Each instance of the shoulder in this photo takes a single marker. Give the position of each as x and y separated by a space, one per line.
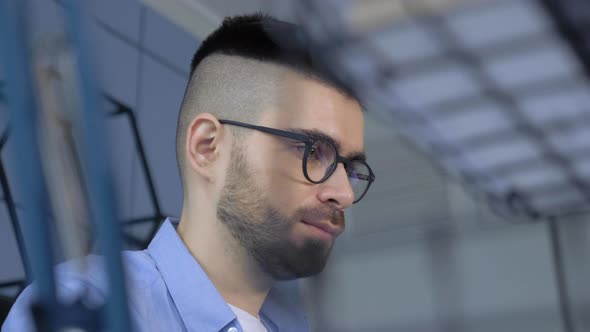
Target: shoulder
140 271
71 282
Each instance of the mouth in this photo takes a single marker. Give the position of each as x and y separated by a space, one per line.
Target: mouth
323 231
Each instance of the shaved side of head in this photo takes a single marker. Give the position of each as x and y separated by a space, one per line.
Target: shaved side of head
229 87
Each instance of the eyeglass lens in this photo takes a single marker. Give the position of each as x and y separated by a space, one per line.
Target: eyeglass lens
322 161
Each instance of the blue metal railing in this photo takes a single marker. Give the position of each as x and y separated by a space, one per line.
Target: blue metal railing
23 109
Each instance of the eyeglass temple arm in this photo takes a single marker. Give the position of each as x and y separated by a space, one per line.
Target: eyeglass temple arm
272 131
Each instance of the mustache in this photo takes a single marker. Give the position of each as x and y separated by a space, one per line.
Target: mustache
335 216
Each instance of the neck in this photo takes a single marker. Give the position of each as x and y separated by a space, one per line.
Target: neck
234 273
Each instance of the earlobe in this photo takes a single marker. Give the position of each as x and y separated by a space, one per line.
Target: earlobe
203 139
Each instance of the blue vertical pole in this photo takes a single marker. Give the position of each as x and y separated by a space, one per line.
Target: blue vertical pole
21 102
98 178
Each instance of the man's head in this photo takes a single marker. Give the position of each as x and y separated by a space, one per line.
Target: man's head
253 181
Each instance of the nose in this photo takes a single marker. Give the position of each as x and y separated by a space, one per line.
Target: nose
337 191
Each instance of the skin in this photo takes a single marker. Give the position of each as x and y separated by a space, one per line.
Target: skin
256 174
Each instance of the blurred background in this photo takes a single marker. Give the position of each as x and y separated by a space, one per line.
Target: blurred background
423 251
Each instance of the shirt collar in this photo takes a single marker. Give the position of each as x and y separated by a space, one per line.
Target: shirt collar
199 303
280 311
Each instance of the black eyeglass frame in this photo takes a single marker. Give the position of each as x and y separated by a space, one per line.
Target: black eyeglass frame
309 141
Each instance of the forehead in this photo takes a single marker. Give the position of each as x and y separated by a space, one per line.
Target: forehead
306 103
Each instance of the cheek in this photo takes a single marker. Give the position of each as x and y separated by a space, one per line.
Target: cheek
278 174
284 181
288 190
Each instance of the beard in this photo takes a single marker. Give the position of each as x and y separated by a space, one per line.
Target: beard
262 232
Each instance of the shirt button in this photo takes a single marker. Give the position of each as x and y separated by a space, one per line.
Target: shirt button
232 329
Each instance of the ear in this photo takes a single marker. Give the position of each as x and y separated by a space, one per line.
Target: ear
203 144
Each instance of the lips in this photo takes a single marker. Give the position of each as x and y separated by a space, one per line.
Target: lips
331 229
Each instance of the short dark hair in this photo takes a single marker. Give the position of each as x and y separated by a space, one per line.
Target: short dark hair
265 38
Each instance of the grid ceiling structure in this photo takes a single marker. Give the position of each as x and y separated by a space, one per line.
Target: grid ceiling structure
496 92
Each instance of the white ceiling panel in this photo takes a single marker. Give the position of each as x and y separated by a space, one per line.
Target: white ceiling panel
496 22
548 62
570 103
451 81
408 42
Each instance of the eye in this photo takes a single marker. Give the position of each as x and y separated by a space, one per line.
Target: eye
313 152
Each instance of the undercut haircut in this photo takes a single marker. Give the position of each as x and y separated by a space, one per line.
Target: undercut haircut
234 73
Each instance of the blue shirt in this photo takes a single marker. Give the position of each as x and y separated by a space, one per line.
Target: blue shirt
167 290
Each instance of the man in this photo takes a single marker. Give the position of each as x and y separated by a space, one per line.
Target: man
270 153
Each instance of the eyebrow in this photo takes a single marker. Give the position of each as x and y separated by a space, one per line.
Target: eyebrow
318 134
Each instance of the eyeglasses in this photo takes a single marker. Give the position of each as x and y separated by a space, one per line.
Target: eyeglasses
320 159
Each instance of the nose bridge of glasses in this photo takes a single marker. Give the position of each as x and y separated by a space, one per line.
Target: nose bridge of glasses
345 162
